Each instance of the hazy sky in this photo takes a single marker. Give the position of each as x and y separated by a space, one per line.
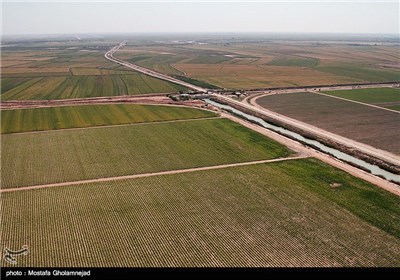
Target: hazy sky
104 17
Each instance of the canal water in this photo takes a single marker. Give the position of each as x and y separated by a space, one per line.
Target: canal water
376 170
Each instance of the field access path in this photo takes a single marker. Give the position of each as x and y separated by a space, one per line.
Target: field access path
306 151
148 99
317 89
134 176
301 150
112 125
358 102
367 149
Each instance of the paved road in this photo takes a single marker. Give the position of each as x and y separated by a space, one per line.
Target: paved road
109 56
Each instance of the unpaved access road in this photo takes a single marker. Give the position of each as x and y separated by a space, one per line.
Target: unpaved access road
366 149
321 88
358 102
149 174
318 89
301 150
305 151
111 125
159 99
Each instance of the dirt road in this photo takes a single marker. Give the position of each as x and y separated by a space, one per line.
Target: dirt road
366 149
148 174
113 125
303 150
358 102
159 99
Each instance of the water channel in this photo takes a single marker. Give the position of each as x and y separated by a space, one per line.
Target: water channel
376 170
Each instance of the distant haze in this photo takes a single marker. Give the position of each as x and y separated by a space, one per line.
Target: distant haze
127 17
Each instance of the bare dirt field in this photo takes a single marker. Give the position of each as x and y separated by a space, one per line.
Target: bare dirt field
372 126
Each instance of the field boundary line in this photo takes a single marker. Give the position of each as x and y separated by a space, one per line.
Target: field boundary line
108 126
358 102
124 177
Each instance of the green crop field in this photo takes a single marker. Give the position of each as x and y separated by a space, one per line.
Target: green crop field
80 71
23 120
396 107
83 86
195 82
301 62
59 156
384 97
361 72
27 60
162 59
276 214
59 73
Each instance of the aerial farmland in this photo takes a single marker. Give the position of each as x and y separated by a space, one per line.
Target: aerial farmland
200 150
203 179
261 65
69 73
